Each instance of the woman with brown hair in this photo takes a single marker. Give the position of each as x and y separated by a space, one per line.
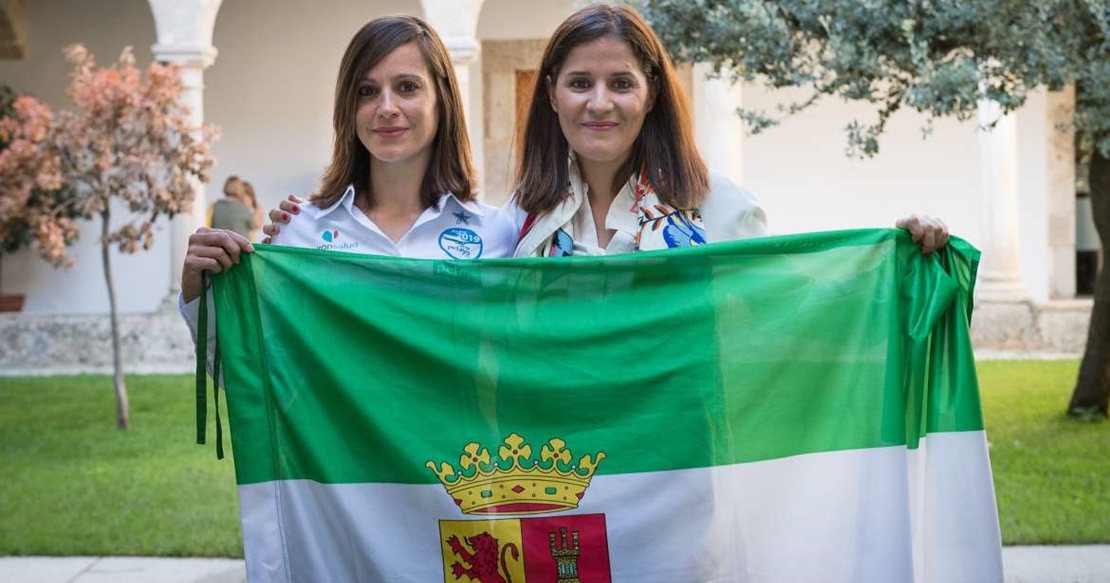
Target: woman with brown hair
609 163
400 181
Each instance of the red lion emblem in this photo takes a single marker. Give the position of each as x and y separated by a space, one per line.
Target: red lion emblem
482 563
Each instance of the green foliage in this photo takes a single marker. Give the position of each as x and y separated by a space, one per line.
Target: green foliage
73 484
938 57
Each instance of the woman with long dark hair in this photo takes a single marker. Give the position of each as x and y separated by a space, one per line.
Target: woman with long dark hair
400 181
609 162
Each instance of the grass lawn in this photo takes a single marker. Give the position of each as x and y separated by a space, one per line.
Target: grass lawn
73 485
1051 474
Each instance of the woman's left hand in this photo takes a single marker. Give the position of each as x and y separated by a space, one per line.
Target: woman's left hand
931 233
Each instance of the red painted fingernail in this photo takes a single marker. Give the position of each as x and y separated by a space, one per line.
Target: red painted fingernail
277 229
296 208
266 240
285 216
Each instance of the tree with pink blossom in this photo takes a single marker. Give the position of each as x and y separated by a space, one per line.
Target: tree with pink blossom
36 206
127 147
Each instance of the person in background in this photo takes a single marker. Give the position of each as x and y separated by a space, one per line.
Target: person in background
233 212
252 201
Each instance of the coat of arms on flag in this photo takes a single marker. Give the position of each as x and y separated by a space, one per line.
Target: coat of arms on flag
563 549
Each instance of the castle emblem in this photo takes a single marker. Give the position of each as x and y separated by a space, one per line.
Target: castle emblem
566 556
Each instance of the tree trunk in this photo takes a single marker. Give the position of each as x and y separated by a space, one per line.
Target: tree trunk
1092 389
122 412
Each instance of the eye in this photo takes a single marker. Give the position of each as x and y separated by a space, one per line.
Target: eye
408 87
367 91
579 83
623 84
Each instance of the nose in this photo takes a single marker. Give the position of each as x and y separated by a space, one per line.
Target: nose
601 100
388 104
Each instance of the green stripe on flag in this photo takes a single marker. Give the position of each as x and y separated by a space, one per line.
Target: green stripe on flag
343 368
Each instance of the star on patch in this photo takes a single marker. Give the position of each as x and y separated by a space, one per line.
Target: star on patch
461 218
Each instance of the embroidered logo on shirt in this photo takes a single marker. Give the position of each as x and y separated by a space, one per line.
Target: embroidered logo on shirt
331 241
459 243
461 218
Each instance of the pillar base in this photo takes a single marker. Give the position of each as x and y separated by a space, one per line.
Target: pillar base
1001 288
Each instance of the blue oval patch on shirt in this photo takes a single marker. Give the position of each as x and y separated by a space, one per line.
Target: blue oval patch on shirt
459 243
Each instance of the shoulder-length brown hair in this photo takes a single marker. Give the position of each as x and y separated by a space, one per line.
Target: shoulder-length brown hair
665 148
451 168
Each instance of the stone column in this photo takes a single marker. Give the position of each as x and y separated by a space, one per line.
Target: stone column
1000 272
13 30
464 53
184 33
718 129
1060 138
456 21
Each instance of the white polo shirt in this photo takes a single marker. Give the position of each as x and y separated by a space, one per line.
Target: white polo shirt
451 229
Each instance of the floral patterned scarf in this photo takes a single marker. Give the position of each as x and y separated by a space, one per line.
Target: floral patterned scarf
661 226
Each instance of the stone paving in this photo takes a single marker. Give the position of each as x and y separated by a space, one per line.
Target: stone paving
1059 564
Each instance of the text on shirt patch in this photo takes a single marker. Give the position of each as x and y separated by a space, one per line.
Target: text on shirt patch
331 241
459 243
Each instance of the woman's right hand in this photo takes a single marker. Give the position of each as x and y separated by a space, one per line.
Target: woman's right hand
212 250
280 216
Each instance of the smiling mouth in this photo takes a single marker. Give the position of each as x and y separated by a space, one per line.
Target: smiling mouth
600 126
390 132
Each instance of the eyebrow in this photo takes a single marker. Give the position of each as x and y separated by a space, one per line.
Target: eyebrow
401 77
589 74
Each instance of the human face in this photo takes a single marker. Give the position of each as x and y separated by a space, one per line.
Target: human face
397 115
601 96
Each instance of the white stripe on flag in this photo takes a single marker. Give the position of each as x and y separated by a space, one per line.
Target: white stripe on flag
882 515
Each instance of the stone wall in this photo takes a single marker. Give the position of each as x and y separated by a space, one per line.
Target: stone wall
1058 327
34 344
160 342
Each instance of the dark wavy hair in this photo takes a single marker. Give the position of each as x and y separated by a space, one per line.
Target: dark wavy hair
451 168
665 147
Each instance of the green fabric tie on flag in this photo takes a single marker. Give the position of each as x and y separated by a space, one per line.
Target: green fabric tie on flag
688 415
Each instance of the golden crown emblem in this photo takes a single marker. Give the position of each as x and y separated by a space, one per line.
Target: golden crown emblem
516 483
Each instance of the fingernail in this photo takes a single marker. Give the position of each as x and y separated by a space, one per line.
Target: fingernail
296 209
285 216
277 229
266 240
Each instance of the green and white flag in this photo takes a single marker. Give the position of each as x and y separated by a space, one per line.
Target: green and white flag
800 408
